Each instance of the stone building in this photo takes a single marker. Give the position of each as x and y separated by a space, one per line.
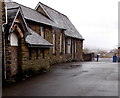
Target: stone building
1 22
37 38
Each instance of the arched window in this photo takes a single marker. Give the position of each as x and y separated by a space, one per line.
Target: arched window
13 39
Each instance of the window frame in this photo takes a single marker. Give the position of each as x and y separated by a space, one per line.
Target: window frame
75 46
61 40
42 31
54 42
13 39
69 46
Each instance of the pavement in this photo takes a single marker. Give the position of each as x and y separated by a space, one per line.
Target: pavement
70 79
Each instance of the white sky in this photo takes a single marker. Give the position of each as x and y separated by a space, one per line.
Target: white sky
96 20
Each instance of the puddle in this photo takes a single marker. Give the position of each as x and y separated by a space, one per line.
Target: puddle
80 73
71 66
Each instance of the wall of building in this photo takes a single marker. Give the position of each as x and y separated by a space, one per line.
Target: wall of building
22 60
1 21
60 57
88 56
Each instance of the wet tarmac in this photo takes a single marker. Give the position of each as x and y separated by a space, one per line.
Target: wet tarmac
70 79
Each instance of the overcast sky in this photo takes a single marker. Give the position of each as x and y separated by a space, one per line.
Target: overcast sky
96 20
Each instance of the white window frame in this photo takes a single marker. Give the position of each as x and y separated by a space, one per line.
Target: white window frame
53 33
64 45
13 39
42 31
69 46
60 42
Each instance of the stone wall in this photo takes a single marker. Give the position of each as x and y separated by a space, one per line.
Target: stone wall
37 61
60 57
24 64
88 56
32 60
1 21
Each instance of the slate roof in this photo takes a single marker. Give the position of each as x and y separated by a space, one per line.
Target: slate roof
11 13
63 21
59 20
35 39
11 16
31 14
31 37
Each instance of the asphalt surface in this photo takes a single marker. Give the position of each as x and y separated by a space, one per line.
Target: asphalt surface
71 79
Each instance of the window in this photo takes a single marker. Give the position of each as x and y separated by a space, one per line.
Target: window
75 47
33 54
64 46
43 53
30 54
60 42
69 41
69 45
53 42
42 32
13 39
36 53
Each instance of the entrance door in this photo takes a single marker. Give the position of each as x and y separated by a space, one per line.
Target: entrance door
14 53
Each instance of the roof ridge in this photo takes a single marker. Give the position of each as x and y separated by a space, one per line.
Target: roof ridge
19 10
52 9
23 6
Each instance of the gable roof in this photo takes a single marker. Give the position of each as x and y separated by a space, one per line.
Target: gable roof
12 14
35 39
33 15
61 20
54 18
31 37
42 11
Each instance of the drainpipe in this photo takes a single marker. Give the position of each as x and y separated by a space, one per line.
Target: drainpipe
3 45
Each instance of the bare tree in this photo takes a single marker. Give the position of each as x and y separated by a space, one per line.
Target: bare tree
86 50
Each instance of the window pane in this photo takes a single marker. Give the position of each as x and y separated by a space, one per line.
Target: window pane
42 31
60 42
69 45
13 39
75 47
53 42
69 41
69 48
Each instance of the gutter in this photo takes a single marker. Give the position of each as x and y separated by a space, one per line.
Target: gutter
40 46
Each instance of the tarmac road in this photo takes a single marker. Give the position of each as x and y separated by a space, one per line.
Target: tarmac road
70 79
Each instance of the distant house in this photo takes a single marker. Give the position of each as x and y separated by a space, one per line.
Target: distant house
88 56
37 38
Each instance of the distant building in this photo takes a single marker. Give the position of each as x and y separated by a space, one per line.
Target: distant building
88 56
37 38
119 54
